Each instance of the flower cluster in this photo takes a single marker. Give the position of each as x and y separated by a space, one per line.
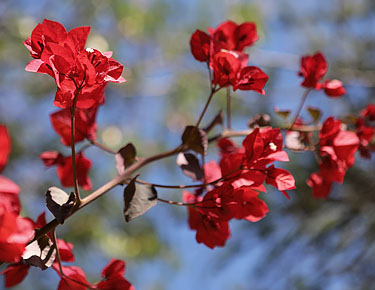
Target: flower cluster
337 148
222 50
313 69
80 74
242 172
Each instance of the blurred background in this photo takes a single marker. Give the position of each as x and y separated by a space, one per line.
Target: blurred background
302 243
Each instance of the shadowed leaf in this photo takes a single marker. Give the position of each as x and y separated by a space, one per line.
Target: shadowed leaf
125 157
138 198
195 139
190 166
40 253
59 203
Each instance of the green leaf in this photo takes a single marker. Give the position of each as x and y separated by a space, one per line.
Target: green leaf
138 198
195 139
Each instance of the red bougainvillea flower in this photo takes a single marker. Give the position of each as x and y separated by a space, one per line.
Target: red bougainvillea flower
15 273
227 36
8 189
246 205
247 166
77 279
65 168
251 78
313 68
210 231
337 148
200 44
321 187
15 233
85 125
230 69
232 36
222 49
9 195
113 277
365 129
333 88
226 67
79 73
369 112
5 145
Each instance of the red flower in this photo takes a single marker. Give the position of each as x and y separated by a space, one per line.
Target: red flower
231 36
210 231
281 179
15 274
51 158
65 249
321 187
85 126
369 112
113 277
79 72
226 67
65 168
251 78
200 44
366 131
9 195
15 233
336 150
227 36
77 279
333 88
245 204
5 146
313 68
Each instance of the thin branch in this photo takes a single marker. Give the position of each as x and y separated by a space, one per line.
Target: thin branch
303 99
120 179
103 147
213 91
175 202
229 109
72 131
54 239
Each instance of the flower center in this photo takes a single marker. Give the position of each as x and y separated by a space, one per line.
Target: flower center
273 147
